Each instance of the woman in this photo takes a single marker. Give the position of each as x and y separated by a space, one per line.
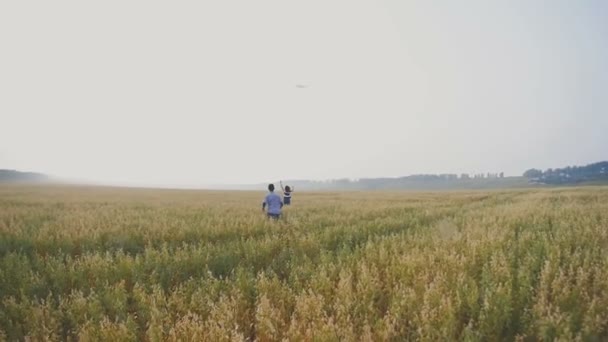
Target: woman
286 193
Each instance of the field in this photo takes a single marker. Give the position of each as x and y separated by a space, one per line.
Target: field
80 263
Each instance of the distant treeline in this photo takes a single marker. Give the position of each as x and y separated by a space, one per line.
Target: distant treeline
18 176
415 182
597 172
570 175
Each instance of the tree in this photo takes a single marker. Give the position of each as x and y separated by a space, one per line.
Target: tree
533 173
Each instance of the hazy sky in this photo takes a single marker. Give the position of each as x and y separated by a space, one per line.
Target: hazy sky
202 92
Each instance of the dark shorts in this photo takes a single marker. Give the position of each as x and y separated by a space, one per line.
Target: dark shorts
274 216
287 200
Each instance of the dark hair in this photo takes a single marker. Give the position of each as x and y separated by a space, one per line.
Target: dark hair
271 187
287 188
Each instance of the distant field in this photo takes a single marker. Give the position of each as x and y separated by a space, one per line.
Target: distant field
81 263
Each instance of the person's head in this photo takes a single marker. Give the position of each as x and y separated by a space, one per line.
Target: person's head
287 188
271 187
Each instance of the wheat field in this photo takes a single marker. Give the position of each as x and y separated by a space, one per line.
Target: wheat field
93 263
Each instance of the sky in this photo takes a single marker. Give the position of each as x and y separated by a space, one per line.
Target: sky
240 91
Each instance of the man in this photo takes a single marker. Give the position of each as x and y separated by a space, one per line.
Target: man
274 203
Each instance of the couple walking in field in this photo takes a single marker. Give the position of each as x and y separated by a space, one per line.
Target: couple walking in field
274 202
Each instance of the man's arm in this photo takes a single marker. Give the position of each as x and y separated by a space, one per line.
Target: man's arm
264 205
282 188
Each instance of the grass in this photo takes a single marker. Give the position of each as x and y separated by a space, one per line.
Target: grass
84 263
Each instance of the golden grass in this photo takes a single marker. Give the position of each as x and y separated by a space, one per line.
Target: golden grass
84 263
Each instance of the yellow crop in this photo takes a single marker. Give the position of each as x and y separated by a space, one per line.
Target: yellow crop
88 264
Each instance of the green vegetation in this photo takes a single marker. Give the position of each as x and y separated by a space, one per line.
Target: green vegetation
22 177
84 264
596 172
